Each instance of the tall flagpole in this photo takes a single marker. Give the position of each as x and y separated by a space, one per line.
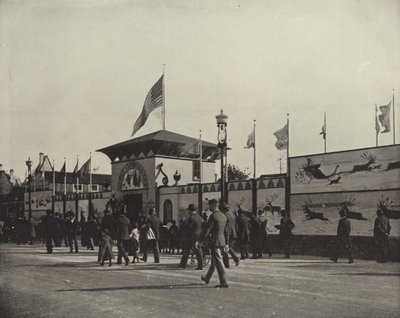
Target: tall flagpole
54 177
90 173
77 174
65 176
201 159
376 125
254 151
325 132
287 179
163 91
394 123
287 149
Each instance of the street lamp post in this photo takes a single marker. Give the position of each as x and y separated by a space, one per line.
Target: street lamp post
222 122
29 165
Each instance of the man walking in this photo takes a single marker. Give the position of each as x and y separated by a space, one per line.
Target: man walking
343 237
381 235
48 230
123 236
153 222
231 225
285 232
71 226
195 223
243 226
216 228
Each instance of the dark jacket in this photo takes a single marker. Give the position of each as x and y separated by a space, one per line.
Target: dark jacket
123 228
382 226
344 229
108 226
216 227
155 225
71 227
286 226
255 229
195 225
231 224
243 225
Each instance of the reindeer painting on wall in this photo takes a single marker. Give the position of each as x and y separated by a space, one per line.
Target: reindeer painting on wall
272 208
367 166
385 205
311 215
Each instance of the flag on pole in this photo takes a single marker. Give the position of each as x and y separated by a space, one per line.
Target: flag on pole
76 168
154 99
281 138
323 131
251 139
377 126
384 117
190 149
62 170
85 169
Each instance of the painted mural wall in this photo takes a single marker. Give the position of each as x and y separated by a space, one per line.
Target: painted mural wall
357 179
357 170
270 198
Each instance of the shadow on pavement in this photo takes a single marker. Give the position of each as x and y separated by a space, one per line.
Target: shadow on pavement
90 264
368 274
180 286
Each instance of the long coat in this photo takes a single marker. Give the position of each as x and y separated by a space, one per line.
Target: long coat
343 230
123 228
155 225
286 227
231 224
217 229
195 225
243 225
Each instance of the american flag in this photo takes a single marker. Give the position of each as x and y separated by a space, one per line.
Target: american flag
154 99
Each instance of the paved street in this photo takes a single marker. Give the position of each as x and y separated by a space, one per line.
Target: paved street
35 284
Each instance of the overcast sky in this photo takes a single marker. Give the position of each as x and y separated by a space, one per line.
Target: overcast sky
75 74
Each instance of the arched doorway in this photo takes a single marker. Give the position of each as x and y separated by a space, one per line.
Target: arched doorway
167 211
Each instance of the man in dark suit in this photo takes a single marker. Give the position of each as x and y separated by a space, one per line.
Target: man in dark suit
48 231
71 227
381 235
285 232
217 229
154 223
231 224
343 237
123 235
243 233
112 204
195 223
256 237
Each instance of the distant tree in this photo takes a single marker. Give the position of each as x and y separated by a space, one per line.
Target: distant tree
235 173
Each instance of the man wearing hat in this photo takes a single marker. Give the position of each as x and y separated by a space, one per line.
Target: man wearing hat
243 225
123 229
343 237
285 232
231 225
195 223
217 229
381 235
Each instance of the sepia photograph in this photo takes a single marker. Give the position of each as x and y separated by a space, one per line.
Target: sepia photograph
199 158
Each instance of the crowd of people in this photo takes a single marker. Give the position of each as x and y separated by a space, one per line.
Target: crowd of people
215 233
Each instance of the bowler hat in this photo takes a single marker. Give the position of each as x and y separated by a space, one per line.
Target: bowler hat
191 207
